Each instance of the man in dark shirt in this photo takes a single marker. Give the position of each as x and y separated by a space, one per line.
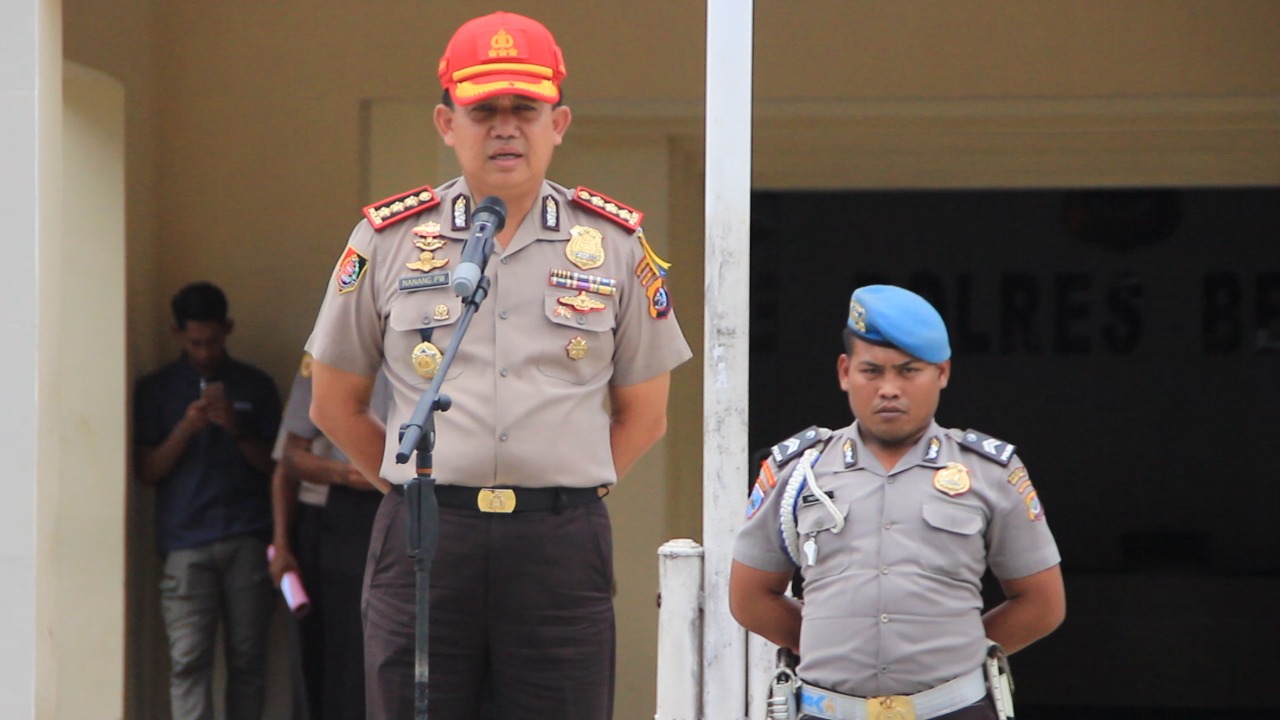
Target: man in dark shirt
203 427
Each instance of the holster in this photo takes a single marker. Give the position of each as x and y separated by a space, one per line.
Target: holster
782 691
999 681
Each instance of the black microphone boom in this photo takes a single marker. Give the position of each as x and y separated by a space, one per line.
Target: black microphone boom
487 219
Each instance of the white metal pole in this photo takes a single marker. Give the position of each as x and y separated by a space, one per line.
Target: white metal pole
679 630
724 393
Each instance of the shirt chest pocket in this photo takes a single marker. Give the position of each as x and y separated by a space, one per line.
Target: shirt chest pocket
824 537
578 339
955 544
436 310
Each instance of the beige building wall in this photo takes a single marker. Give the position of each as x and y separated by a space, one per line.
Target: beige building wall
255 132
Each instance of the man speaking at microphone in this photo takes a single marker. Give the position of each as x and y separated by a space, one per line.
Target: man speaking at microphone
578 315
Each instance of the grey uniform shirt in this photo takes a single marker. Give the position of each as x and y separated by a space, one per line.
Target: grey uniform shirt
532 374
892 601
297 420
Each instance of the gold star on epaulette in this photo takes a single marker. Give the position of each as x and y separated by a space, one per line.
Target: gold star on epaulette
399 207
608 207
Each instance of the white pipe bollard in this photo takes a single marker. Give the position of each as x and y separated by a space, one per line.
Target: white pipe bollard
679 630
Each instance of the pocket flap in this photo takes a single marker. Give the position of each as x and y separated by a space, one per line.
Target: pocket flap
817 516
958 519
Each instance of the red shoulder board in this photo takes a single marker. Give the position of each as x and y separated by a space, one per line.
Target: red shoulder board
398 207
608 207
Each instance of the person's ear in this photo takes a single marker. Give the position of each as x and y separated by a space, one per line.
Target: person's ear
561 117
443 119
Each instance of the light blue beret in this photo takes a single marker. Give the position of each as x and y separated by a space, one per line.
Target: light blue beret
890 315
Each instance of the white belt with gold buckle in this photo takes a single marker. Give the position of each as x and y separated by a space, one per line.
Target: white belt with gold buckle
948 697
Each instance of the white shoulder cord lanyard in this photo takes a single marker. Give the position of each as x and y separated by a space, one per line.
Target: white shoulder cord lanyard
801 478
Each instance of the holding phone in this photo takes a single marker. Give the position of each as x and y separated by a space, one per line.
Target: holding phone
212 391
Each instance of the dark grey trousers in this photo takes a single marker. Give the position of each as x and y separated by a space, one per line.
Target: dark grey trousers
224 581
522 622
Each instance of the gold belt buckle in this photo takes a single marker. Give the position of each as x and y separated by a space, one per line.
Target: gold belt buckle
496 500
891 707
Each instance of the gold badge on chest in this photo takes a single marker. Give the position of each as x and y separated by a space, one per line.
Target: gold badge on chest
426 360
577 348
582 302
952 479
427 262
585 248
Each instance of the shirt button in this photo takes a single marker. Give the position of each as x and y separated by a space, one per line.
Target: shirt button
503 437
887 524
892 480
884 668
582 319
505 259
884 618
884 570
502 314
503 372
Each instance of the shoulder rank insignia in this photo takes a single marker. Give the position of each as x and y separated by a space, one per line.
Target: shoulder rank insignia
305 368
996 450
608 207
399 207
798 443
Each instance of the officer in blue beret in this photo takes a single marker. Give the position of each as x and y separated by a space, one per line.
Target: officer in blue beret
892 522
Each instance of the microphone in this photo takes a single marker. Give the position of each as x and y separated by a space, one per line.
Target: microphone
486 220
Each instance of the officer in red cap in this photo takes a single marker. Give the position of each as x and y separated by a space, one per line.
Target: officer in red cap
559 386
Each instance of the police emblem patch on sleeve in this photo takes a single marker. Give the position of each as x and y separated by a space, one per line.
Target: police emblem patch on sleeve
350 269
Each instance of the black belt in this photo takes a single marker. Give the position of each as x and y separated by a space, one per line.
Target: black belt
506 500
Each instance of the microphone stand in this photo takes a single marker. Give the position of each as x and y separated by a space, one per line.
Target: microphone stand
419 434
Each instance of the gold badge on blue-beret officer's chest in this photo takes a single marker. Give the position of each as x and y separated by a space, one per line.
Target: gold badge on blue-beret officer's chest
585 248
952 479
577 348
426 360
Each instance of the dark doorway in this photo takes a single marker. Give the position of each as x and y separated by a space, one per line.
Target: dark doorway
1129 343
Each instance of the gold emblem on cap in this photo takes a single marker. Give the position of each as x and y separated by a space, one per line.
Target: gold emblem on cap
426 360
427 262
585 248
502 45
577 348
952 479
858 316
442 313
581 302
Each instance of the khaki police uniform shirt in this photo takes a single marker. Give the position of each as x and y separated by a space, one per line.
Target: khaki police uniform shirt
892 602
525 412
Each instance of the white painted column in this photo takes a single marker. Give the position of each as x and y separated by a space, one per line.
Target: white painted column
726 341
30 180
